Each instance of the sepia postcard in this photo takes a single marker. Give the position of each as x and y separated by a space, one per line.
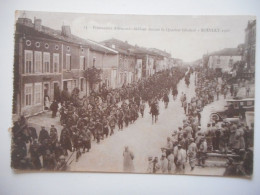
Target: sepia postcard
134 93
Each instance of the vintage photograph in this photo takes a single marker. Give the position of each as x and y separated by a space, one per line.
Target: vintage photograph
133 94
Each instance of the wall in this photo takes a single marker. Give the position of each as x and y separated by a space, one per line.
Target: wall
224 62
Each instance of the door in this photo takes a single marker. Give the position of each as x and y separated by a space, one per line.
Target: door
65 85
46 95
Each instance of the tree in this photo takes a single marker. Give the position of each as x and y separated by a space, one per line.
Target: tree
93 76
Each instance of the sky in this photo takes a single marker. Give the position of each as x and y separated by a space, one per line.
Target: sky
185 37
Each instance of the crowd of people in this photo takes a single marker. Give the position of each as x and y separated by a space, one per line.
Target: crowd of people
92 118
190 143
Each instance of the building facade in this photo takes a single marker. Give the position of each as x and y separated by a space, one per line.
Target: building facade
49 61
37 67
224 60
250 41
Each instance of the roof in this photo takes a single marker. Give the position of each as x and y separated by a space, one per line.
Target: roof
126 48
57 34
160 52
227 52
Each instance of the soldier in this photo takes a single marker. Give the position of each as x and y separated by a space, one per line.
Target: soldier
150 165
98 130
54 108
202 153
34 151
166 100
112 124
164 164
142 108
49 161
43 135
120 119
180 159
105 126
61 165
53 137
192 153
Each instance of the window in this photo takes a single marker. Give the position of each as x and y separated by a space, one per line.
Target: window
68 62
121 77
46 45
28 42
56 62
37 93
28 62
231 61
81 84
46 62
82 63
37 62
37 44
28 94
218 61
73 84
56 47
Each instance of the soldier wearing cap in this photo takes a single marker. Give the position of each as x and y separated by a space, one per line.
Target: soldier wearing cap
164 163
150 165
202 152
43 135
192 153
171 163
180 159
61 165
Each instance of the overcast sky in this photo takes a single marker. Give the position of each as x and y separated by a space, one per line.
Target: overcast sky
188 46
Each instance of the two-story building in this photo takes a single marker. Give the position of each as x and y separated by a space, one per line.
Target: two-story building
48 61
37 66
224 60
126 61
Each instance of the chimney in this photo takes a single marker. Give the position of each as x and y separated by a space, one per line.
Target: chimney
65 31
37 24
25 21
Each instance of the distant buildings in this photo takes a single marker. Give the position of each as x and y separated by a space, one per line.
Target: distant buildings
48 62
224 60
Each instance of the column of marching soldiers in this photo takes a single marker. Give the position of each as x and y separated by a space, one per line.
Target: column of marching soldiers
192 144
89 119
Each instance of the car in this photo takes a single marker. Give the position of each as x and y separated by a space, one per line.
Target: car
235 108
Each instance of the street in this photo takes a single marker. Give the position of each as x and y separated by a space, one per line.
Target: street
143 138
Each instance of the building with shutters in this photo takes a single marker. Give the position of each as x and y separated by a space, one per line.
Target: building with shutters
48 61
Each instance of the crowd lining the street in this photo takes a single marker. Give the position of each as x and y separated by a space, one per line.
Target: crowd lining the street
192 144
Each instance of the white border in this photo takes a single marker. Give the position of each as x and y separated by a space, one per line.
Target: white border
90 183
